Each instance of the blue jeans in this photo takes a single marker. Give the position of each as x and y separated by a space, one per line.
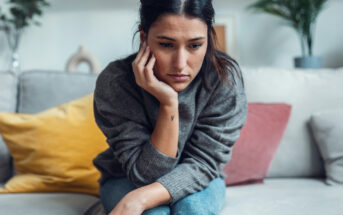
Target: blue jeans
209 201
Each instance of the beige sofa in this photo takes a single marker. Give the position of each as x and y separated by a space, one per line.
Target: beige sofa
295 183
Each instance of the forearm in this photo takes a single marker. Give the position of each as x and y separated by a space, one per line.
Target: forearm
166 133
153 195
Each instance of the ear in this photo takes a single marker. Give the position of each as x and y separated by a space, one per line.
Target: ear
142 34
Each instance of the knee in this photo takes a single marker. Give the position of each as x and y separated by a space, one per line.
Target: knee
194 206
206 202
160 210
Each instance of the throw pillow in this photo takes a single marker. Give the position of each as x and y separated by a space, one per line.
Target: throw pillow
255 148
327 128
53 150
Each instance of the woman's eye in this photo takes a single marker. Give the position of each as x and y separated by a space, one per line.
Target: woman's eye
166 45
195 46
170 45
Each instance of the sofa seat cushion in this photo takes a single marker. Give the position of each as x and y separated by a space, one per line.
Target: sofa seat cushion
46 203
284 196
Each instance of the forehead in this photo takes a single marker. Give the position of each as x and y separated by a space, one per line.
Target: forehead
178 26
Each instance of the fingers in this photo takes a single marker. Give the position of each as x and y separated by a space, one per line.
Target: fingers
148 71
143 68
141 62
138 65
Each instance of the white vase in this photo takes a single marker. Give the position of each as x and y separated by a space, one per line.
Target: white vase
13 38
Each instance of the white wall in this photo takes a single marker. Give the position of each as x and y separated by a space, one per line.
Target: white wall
263 39
106 30
106 27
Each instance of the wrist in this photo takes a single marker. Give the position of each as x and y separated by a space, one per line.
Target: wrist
152 195
169 100
141 198
171 106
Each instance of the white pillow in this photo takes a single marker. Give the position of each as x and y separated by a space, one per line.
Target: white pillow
327 127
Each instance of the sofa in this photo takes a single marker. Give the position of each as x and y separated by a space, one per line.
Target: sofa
296 179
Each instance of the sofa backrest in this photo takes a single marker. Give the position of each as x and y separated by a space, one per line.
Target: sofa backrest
307 91
39 90
8 102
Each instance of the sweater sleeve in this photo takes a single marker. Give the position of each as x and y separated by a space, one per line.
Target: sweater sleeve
128 130
209 148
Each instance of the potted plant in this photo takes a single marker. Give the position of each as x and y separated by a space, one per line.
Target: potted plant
21 15
302 16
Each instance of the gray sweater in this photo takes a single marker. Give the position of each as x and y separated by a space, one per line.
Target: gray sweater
209 121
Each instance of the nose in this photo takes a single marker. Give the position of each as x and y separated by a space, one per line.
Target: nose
180 60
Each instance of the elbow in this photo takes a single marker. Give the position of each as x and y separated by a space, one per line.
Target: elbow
147 165
141 176
137 180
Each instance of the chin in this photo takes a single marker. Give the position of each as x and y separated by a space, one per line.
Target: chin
178 87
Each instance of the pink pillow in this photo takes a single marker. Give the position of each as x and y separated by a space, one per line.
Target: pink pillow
260 137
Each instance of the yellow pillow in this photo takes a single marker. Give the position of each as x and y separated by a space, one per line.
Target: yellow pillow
53 150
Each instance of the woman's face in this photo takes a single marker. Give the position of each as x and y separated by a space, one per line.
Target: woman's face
179 44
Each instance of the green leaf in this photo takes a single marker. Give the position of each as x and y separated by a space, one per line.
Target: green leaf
23 12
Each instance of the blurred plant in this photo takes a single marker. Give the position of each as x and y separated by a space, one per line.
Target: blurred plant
300 14
21 15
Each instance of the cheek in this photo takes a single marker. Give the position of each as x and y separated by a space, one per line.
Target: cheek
158 65
198 59
162 62
202 53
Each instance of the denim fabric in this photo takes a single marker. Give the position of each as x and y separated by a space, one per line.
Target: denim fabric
209 201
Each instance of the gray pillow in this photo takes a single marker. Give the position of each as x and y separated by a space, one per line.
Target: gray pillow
8 102
327 127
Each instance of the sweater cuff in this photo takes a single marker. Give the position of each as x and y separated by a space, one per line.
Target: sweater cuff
155 162
176 187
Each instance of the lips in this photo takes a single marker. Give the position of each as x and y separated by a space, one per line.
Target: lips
179 78
179 75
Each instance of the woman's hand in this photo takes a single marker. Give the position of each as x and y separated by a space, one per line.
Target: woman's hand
141 199
146 79
131 204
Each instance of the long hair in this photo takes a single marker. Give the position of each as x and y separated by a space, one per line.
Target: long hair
214 60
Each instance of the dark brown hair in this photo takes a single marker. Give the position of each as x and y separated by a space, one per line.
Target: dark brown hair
214 59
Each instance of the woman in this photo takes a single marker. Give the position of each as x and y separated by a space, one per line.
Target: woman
171 114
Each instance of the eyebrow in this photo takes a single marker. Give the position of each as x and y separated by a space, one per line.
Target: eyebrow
171 39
